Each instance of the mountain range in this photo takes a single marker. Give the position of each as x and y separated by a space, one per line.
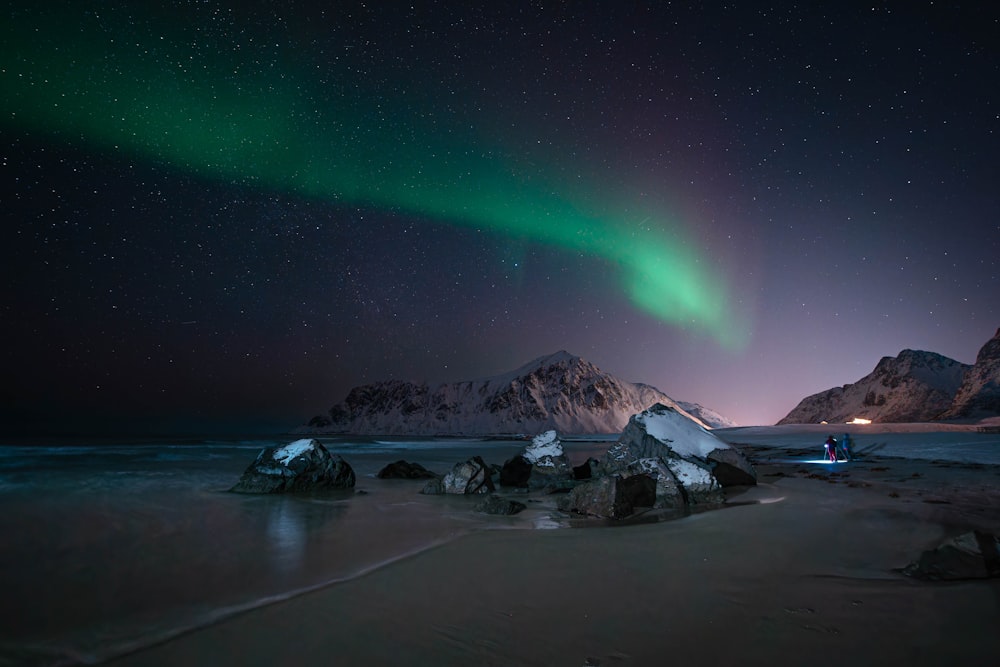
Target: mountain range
559 391
915 386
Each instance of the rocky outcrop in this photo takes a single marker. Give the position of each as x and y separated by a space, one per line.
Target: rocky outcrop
663 460
913 387
300 466
972 555
675 460
979 395
560 391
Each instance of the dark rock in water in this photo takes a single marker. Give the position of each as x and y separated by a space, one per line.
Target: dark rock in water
469 478
972 555
405 470
516 472
612 497
303 465
731 468
494 504
588 469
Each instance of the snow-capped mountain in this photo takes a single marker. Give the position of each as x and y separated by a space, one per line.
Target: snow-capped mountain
708 416
913 387
560 391
979 394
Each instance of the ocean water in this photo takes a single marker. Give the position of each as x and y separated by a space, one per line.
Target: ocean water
909 441
108 546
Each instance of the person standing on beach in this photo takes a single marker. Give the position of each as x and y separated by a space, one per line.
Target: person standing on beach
831 449
845 446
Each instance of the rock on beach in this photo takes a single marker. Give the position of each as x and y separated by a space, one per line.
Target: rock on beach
301 466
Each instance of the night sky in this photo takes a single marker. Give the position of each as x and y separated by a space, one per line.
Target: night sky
224 216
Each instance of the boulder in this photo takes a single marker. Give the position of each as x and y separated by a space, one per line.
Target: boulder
405 470
494 504
470 478
663 433
550 469
972 555
300 466
612 497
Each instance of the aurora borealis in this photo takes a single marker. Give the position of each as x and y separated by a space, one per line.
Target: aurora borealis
219 211
194 110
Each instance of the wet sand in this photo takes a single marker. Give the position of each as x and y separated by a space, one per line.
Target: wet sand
798 571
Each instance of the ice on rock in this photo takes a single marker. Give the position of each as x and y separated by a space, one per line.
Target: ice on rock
543 445
286 454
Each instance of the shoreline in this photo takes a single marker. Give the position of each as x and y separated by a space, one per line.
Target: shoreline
787 573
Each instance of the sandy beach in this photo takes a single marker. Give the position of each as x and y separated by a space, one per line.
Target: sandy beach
799 570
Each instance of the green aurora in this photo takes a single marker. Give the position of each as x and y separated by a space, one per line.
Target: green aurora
146 87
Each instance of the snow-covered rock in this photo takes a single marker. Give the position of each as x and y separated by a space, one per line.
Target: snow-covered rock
913 387
662 431
560 391
979 395
303 465
542 464
674 450
544 449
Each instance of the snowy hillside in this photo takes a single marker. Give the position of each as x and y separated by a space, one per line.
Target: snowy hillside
915 386
708 416
560 391
979 394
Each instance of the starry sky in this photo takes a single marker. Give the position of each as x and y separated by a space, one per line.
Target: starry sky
223 216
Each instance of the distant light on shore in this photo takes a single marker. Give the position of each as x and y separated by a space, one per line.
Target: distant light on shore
859 420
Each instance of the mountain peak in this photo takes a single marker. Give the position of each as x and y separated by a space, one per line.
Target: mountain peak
562 356
557 391
979 394
913 386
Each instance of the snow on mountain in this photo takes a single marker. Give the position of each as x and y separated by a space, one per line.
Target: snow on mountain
707 415
979 394
915 386
560 391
